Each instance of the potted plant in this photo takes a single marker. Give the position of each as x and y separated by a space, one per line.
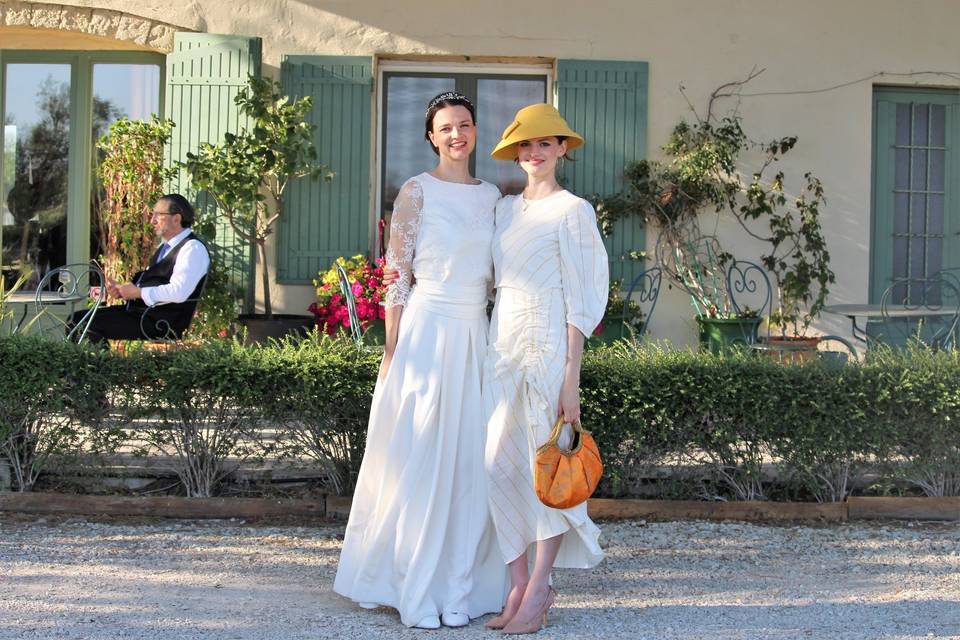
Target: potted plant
248 174
621 319
672 196
366 281
797 257
701 175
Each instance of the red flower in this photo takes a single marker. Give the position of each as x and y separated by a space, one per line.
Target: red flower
381 313
598 330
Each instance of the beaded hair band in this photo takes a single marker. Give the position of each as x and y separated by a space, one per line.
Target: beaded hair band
448 95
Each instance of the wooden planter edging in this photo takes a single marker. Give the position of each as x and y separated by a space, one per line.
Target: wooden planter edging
602 508
904 508
338 508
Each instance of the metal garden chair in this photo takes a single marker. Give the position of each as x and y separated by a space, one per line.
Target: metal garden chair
646 286
61 289
356 333
919 311
751 297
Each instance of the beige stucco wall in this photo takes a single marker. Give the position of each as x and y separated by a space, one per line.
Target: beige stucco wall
805 48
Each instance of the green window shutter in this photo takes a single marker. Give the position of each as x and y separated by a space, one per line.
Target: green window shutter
606 103
204 74
325 220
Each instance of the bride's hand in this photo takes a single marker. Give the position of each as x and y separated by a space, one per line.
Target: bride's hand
384 366
390 276
569 405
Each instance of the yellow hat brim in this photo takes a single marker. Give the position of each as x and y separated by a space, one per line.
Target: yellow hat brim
535 121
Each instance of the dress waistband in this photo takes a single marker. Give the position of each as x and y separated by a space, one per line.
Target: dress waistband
450 299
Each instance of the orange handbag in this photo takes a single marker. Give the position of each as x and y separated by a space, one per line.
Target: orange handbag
565 478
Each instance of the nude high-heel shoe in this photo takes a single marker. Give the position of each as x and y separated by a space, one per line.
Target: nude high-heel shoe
505 616
516 627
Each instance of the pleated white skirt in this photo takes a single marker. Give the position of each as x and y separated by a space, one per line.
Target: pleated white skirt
419 537
523 373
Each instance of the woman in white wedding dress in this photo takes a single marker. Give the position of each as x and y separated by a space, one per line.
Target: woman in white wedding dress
419 537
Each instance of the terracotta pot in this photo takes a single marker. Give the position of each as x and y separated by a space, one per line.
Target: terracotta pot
791 349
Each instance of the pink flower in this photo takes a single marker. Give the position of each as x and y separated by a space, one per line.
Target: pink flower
598 330
375 297
372 283
346 322
357 288
381 312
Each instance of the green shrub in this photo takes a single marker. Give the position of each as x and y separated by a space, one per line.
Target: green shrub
203 407
711 426
51 404
322 407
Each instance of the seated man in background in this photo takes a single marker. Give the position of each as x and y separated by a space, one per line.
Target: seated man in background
170 285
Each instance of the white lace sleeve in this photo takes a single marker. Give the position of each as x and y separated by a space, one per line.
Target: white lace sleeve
404 227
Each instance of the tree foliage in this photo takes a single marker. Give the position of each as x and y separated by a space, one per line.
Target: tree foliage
248 174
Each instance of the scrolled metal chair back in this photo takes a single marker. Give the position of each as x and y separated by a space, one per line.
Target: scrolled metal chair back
645 291
160 329
934 311
69 284
345 288
748 282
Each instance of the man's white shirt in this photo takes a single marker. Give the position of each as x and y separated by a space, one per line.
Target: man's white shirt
191 264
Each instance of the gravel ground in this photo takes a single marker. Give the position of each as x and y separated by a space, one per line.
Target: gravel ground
74 578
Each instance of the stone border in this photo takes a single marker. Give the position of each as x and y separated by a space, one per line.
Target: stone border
95 22
338 508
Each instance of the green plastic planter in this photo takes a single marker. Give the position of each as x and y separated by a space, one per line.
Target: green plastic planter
723 334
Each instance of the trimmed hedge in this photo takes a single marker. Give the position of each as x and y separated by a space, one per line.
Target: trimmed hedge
669 423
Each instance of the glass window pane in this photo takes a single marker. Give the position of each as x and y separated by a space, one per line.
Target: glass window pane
498 100
901 211
903 125
901 180
119 91
124 91
936 169
34 191
899 257
406 153
938 114
918 173
918 213
935 214
920 124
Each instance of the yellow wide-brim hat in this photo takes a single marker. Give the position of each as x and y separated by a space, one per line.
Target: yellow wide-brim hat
535 121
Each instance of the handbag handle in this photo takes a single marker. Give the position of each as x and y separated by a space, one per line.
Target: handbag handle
557 430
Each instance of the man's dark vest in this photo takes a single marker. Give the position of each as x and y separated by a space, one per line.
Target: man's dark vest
178 314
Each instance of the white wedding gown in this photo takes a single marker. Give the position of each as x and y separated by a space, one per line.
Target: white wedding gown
420 538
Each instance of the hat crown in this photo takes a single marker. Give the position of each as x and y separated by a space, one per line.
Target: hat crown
539 120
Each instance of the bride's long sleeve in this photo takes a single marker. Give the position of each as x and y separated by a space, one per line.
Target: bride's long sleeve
404 228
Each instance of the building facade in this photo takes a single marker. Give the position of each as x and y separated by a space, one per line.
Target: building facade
870 87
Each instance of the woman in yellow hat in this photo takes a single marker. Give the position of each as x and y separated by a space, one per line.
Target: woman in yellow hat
551 277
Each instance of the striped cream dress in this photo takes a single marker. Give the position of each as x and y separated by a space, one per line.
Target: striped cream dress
551 271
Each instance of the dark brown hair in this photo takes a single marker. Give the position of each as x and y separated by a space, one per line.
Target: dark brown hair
179 204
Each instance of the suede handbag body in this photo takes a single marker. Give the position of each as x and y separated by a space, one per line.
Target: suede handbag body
565 478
